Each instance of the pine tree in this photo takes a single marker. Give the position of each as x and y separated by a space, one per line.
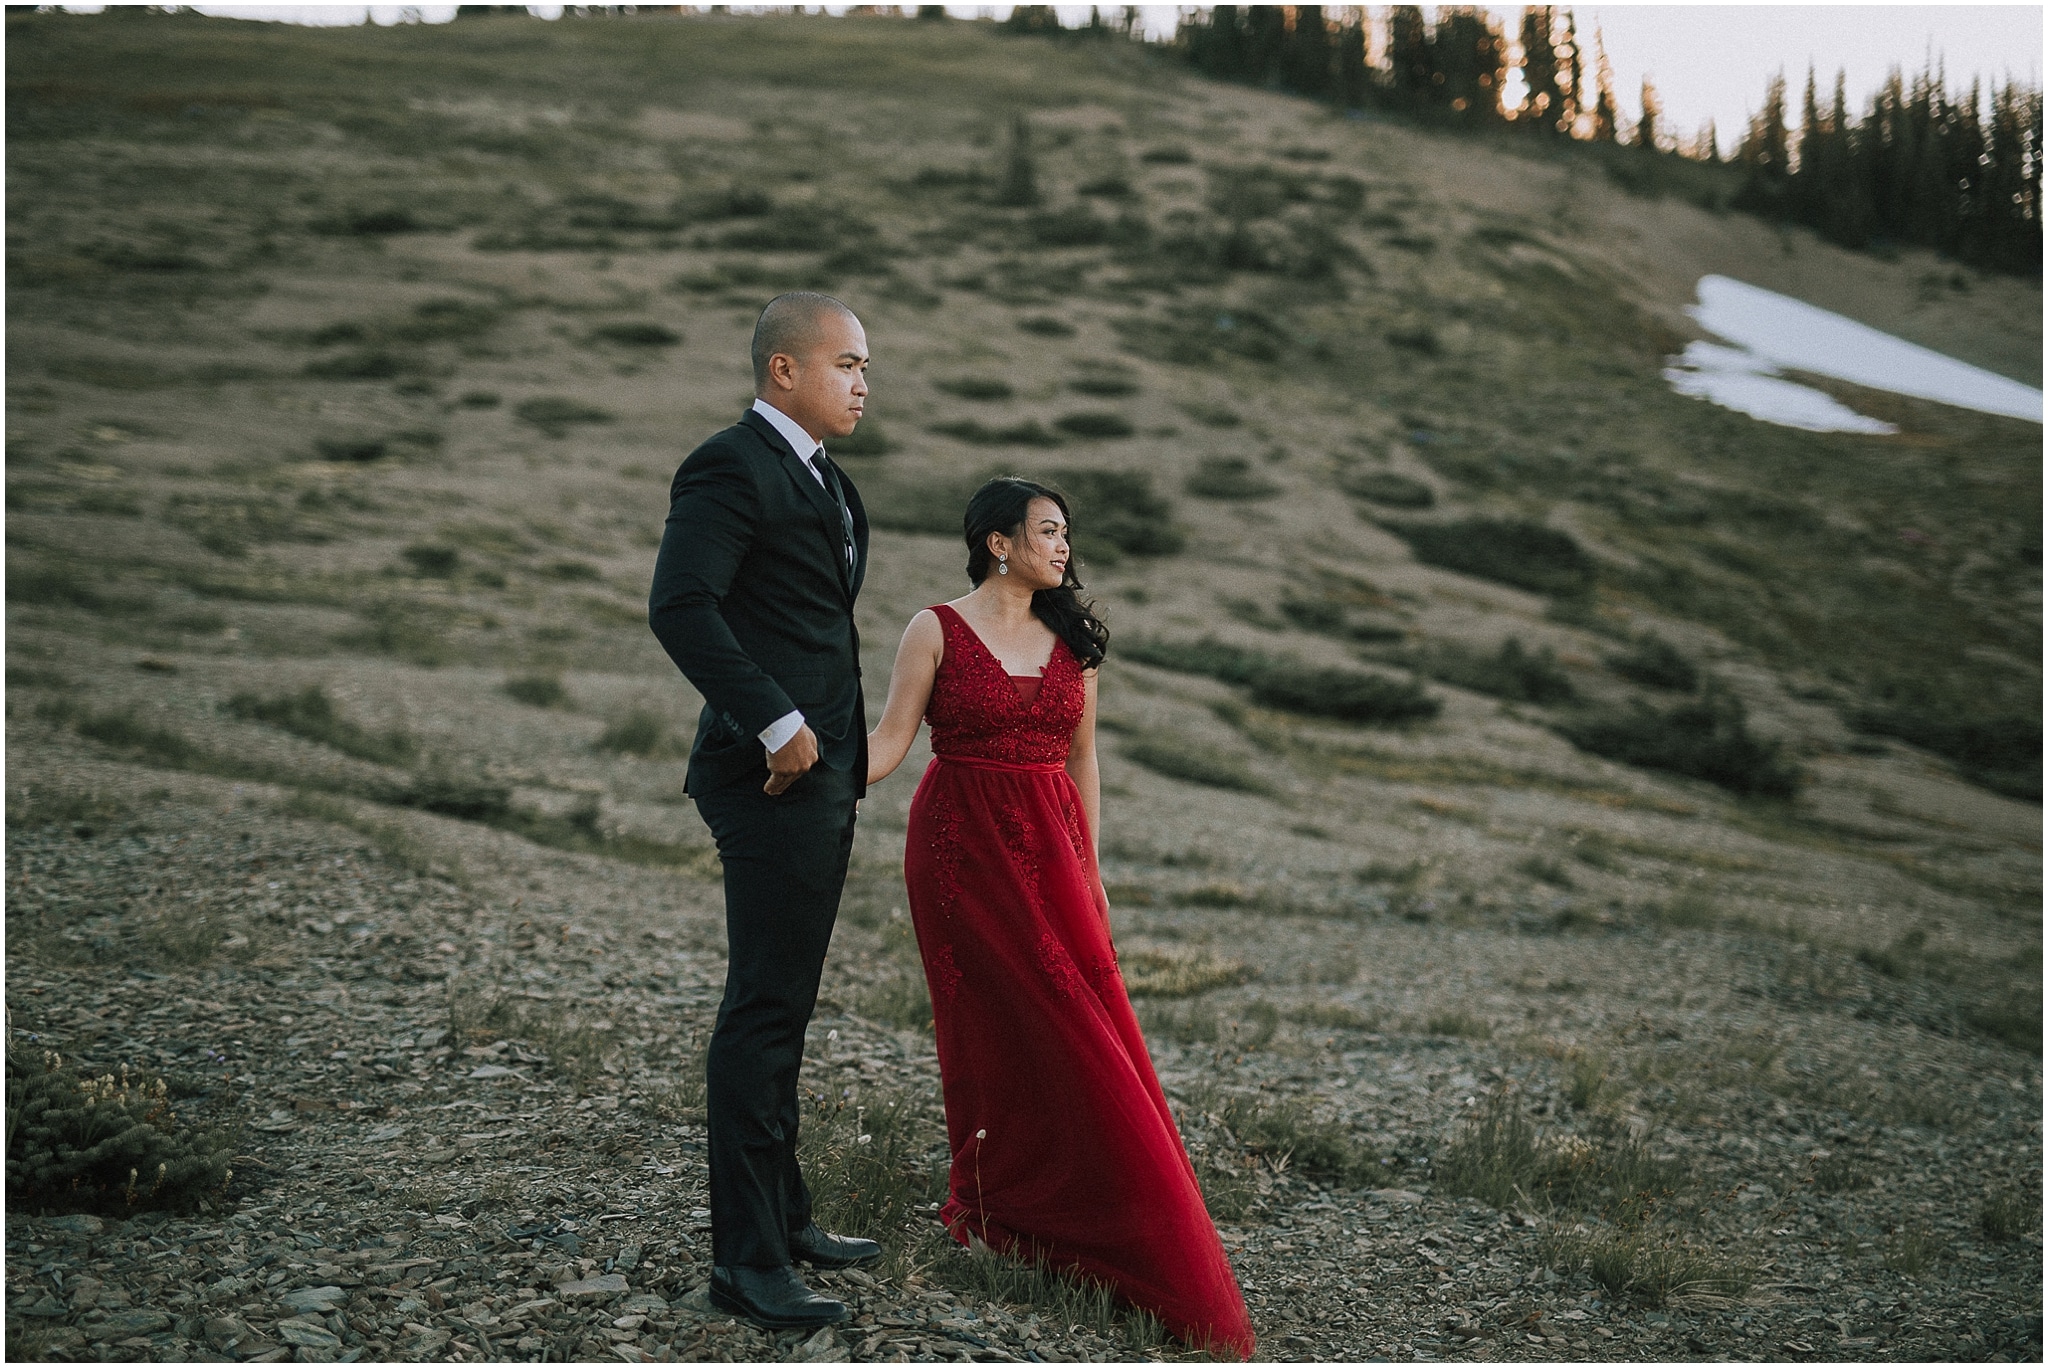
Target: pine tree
1543 100
1646 126
1265 29
1708 148
1352 83
1575 91
1470 60
1410 62
1603 129
1306 65
1764 155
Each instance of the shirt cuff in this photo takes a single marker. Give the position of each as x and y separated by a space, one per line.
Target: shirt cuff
778 733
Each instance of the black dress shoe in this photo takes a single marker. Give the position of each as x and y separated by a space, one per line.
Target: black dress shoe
821 1250
774 1297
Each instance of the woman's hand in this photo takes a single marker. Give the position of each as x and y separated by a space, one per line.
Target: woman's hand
910 690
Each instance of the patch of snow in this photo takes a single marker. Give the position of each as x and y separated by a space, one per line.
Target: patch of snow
1744 382
1770 331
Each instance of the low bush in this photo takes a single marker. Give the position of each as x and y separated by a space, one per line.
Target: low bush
1229 477
1335 618
1028 433
2001 753
433 562
1212 415
1524 554
1103 385
554 415
1655 663
1094 424
1704 738
1045 325
1386 488
979 387
1117 513
1178 758
1290 685
636 334
311 714
350 448
1347 695
106 1144
368 363
537 691
1511 672
869 439
639 732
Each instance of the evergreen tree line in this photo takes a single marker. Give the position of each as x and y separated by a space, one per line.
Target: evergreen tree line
1962 176
1920 168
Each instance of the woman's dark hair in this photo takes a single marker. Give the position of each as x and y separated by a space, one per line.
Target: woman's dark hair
1002 505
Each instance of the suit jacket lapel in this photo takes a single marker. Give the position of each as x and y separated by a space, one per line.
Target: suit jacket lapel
808 485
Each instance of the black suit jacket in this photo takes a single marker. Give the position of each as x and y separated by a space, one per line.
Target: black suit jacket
753 600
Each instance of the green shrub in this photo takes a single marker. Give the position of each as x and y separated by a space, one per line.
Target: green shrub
1385 487
1103 384
311 714
637 334
1180 759
1076 225
1511 672
1169 155
435 562
1229 477
1096 424
1704 738
1348 695
537 691
369 363
639 732
868 439
110 1143
1028 433
1524 554
1045 325
1655 663
350 448
555 416
1333 617
1117 513
1216 659
980 387
480 399
450 795
2002 753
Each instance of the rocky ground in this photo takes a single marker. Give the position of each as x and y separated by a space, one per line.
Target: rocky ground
412 1183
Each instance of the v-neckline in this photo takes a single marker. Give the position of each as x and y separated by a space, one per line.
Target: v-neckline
1016 695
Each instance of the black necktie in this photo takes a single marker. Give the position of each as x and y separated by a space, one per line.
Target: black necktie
831 478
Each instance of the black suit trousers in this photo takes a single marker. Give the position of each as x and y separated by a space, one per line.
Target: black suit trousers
785 863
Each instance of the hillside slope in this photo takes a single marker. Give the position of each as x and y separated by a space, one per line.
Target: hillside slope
347 372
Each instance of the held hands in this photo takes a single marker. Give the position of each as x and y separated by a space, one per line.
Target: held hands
792 762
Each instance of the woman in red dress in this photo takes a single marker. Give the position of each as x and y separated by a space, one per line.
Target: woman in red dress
1064 1148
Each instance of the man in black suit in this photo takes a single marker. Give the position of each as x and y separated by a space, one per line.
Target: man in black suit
763 554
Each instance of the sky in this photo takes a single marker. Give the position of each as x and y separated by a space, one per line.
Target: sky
1706 61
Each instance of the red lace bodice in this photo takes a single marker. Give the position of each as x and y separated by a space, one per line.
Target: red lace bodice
976 712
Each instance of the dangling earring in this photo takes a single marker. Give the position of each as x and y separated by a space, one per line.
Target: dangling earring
1002 565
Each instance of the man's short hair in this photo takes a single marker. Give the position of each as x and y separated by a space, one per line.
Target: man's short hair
788 325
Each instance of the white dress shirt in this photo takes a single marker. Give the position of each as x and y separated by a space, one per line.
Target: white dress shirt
808 448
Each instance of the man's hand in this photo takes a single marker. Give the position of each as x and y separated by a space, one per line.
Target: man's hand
792 762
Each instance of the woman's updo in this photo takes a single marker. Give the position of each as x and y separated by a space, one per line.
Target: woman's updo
1002 505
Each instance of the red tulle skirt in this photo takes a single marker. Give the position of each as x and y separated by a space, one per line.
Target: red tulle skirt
1064 1147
